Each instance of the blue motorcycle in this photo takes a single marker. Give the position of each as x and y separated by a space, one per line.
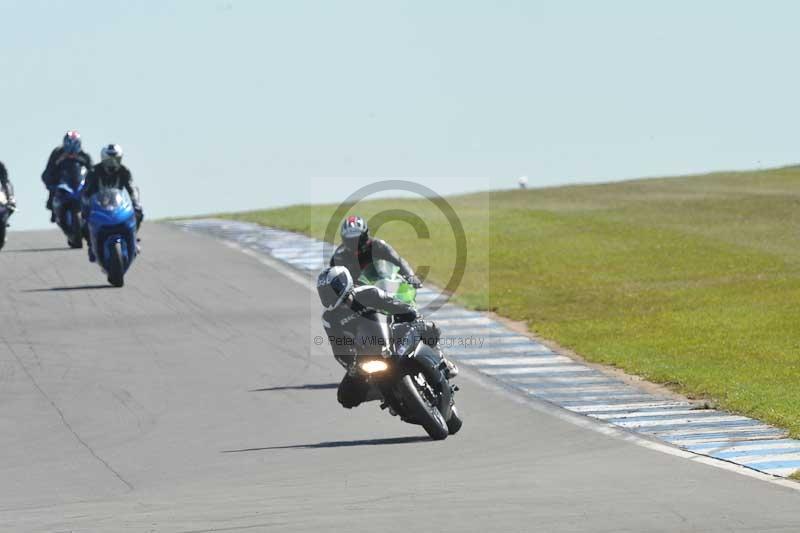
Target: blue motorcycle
67 200
112 231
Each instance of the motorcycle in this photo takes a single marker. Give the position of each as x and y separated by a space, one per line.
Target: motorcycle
112 232
67 201
405 373
5 212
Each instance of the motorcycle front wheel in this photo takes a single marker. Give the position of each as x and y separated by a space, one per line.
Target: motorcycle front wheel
116 267
76 236
421 410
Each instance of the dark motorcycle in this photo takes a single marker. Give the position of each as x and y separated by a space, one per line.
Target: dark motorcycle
5 212
410 380
405 373
67 200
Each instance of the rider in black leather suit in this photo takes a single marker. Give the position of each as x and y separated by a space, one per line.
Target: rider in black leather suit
352 323
358 251
7 187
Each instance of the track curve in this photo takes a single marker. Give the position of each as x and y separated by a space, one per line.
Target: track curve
194 400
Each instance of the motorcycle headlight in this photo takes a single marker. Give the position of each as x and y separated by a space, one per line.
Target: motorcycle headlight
374 365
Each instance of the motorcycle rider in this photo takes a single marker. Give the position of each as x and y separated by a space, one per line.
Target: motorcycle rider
70 149
358 251
344 305
7 187
109 173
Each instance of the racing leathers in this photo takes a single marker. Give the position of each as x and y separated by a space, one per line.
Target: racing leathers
50 175
7 187
355 326
369 250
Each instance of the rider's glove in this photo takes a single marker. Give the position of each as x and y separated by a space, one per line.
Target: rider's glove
414 281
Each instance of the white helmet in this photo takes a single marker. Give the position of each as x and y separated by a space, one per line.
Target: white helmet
334 284
111 156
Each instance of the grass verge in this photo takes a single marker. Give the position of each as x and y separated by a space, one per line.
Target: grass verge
692 282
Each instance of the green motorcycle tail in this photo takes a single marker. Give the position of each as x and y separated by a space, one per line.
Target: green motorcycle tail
386 276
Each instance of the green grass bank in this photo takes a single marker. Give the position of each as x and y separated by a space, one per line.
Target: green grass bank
692 282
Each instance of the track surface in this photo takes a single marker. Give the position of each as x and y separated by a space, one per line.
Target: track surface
148 408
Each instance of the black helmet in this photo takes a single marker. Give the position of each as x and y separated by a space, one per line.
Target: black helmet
333 286
353 229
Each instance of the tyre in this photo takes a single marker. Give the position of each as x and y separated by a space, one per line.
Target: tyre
421 410
454 422
429 363
116 267
76 238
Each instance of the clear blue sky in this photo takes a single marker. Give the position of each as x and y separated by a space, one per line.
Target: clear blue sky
256 98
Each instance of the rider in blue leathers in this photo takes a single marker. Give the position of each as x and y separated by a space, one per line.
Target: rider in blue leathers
70 149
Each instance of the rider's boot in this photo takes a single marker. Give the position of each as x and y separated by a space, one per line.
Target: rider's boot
92 258
448 367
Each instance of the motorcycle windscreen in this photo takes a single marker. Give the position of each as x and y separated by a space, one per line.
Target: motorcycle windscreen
110 206
110 199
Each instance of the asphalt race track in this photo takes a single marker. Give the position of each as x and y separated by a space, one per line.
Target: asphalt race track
193 399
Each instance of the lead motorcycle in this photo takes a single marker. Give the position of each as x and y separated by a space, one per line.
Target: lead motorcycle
5 212
407 375
112 232
67 200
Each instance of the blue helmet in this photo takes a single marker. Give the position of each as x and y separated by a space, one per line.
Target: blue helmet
72 142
